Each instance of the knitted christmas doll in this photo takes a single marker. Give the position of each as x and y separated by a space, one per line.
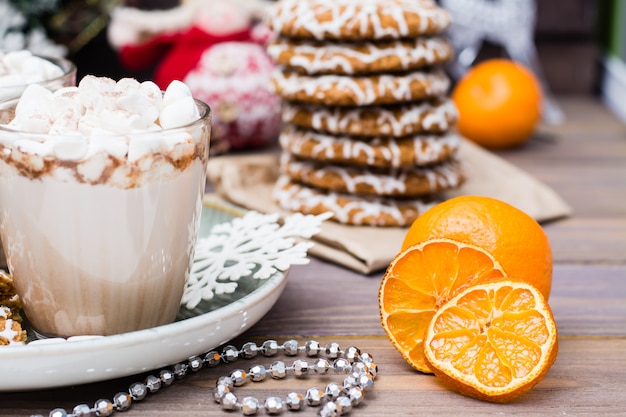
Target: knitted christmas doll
217 48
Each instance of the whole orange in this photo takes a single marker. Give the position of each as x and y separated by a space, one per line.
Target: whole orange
515 240
499 103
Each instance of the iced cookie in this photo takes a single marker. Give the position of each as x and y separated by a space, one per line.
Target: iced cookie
364 19
384 152
313 57
10 320
436 116
11 332
348 209
343 90
401 182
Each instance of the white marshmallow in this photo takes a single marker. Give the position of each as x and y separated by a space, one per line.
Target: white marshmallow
121 121
178 113
152 92
70 149
142 146
108 142
35 99
93 88
175 91
136 103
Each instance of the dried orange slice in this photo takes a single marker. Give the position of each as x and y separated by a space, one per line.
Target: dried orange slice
419 280
493 341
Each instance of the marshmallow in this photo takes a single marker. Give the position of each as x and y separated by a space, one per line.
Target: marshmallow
180 112
138 104
142 146
175 91
70 149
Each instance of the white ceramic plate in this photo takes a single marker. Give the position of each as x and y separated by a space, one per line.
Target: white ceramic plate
92 359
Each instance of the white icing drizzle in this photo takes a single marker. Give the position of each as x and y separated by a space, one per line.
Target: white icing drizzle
382 152
373 19
5 312
348 209
361 180
361 91
437 116
343 58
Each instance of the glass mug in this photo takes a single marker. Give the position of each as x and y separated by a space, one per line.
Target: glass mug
108 253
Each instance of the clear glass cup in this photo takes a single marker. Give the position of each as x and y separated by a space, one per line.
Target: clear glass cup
101 244
10 95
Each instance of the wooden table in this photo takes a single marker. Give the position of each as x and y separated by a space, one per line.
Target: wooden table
584 160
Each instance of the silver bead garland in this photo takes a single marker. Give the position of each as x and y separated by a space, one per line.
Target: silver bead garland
334 400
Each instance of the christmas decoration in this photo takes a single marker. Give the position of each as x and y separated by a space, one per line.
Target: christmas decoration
217 48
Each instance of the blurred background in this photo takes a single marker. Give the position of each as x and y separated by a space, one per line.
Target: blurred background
581 44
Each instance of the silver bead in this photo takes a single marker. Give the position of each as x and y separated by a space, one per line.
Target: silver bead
229 401
365 381
314 396
180 370
344 405
300 368
359 368
103 408
269 348
333 391
219 391
122 401
167 377
225 381
257 373
356 395
249 350
294 401
350 381
312 348
249 406
321 366
278 370
195 363
342 365
212 359
329 410
230 354
366 357
138 391
82 410
239 377
333 350
273 405
58 412
290 347
153 383
372 368
352 353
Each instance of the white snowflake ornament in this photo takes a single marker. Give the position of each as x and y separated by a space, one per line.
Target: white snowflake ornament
255 245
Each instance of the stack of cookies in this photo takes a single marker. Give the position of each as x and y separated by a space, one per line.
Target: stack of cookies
366 117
